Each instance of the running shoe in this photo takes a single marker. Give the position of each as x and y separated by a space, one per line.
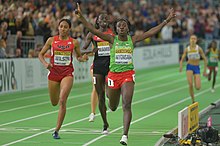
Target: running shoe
124 140
56 135
105 130
91 117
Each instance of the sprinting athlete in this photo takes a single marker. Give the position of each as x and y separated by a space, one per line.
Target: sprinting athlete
193 53
94 98
213 55
60 77
121 75
101 63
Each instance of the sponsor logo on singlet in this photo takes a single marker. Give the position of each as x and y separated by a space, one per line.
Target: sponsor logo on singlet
123 55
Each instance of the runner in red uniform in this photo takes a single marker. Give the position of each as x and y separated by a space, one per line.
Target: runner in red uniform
60 76
100 64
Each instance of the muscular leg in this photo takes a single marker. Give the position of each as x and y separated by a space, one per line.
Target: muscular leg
54 92
65 88
197 81
127 91
94 96
100 88
210 74
189 75
94 99
114 97
214 79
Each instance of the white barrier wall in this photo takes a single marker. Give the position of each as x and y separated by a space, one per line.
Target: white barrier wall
152 56
10 75
25 73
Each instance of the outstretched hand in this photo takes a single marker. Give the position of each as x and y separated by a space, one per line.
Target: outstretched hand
78 11
171 15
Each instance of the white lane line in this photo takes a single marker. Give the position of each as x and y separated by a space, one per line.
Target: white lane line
44 114
71 97
136 91
86 118
23 98
147 116
38 95
46 94
47 102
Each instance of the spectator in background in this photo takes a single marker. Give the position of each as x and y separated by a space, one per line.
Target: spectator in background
167 33
191 21
19 50
37 50
3 30
43 29
2 49
31 53
11 22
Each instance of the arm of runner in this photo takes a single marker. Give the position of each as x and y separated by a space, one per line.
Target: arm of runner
204 59
154 30
79 57
87 41
91 28
43 51
182 59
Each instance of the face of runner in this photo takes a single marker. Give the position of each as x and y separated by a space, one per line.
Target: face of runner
193 40
64 29
122 28
214 45
103 20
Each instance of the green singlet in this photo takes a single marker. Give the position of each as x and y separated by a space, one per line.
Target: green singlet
213 57
121 55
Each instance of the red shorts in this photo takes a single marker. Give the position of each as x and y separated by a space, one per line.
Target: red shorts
213 68
57 74
116 80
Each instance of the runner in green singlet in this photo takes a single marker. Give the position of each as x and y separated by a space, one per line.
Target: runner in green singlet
121 75
213 55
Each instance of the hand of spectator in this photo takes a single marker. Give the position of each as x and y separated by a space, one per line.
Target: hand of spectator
171 15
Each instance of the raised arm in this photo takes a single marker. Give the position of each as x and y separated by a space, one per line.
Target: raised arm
45 48
182 59
204 59
91 28
154 30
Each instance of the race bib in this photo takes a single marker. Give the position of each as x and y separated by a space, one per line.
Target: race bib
214 60
62 58
193 56
123 56
104 49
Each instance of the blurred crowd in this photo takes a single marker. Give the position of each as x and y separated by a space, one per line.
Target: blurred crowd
41 17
